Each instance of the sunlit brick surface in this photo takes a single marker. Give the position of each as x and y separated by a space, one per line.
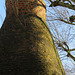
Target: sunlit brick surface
24 7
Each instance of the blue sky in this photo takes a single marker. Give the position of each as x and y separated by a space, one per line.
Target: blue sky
2 12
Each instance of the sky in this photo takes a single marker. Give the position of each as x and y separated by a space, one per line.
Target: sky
2 12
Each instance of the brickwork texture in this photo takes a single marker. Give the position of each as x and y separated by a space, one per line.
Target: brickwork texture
26 7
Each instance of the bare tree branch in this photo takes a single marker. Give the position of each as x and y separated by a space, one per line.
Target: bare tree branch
58 3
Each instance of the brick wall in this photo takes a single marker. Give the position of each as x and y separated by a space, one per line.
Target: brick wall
24 7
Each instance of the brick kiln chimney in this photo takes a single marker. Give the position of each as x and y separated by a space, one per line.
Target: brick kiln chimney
26 44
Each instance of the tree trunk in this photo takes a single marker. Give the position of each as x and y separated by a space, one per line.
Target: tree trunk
26 45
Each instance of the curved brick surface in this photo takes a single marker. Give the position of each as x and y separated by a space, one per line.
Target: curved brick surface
26 45
23 7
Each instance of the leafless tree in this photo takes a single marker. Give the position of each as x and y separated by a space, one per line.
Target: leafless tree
61 21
